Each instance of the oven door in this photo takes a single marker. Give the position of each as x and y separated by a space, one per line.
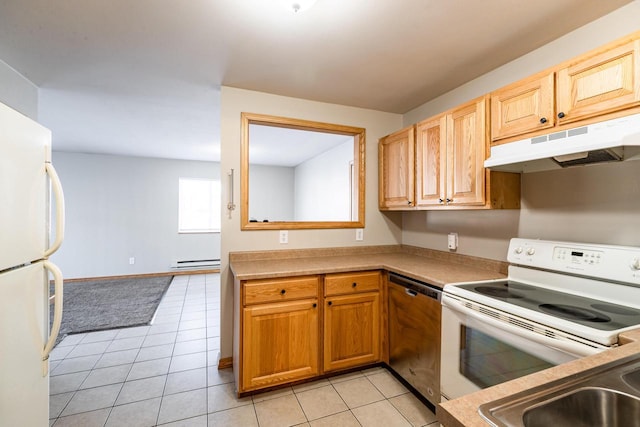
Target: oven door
478 351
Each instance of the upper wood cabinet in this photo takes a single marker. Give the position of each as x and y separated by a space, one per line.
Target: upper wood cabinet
431 161
522 107
466 151
599 83
450 153
396 169
450 150
605 81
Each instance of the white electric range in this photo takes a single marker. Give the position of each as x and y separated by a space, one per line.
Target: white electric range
561 301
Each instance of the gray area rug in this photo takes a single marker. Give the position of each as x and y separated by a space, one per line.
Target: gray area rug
97 305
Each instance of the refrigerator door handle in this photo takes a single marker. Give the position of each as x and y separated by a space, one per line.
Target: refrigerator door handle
59 196
57 308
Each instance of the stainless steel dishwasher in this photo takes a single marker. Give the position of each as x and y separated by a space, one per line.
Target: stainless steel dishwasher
414 334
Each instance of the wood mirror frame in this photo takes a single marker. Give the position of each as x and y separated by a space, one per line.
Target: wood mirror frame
358 135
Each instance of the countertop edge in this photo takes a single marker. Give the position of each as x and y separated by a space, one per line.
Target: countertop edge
463 411
434 267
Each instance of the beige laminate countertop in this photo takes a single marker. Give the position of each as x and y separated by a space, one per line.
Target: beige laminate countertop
464 410
433 267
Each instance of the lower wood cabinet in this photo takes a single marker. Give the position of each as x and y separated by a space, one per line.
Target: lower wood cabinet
351 330
295 328
280 343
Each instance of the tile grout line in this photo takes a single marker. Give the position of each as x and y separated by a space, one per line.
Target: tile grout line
101 355
387 399
206 347
79 388
184 297
133 363
190 295
93 368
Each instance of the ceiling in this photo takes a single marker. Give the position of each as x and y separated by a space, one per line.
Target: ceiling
143 77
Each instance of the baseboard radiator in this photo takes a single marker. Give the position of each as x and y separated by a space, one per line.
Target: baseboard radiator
195 264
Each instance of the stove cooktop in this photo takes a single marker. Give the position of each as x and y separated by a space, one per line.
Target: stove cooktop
585 311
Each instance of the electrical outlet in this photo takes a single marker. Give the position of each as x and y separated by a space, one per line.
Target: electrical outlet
132 261
452 241
359 234
284 237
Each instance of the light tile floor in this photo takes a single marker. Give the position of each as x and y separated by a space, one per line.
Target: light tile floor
166 374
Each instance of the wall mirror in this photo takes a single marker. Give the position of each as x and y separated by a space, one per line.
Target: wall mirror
298 174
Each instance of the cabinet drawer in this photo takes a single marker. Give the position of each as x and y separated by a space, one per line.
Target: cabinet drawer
340 284
273 290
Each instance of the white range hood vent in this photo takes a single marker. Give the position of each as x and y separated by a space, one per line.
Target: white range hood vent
608 141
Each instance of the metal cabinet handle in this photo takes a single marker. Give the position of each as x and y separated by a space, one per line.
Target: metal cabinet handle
330 303
543 120
315 305
282 292
440 201
354 284
561 115
449 200
410 292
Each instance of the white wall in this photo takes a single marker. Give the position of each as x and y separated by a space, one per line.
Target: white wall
17 92
380 229
271 193
599 203
322 187
120 207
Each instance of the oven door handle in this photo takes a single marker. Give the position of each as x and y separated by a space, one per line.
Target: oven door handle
570 347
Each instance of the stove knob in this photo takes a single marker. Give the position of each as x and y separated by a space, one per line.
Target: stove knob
518 250
531 251
635 263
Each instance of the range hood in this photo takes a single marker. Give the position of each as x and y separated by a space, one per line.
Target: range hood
608 141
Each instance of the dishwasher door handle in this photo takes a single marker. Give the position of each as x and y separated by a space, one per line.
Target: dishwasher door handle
410 292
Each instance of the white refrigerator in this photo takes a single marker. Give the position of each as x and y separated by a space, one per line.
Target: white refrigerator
28 183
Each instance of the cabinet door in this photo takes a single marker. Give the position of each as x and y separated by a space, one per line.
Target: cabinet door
523 107
396 166
466 135
351 330
600 84
280 343
431 161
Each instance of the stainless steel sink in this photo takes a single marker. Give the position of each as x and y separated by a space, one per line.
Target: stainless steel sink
586 407
608 395
632 379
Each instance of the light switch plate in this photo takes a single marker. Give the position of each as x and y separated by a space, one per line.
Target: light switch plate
452 241
359 234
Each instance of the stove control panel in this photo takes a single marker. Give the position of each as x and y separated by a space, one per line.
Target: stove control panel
615 263
575 256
